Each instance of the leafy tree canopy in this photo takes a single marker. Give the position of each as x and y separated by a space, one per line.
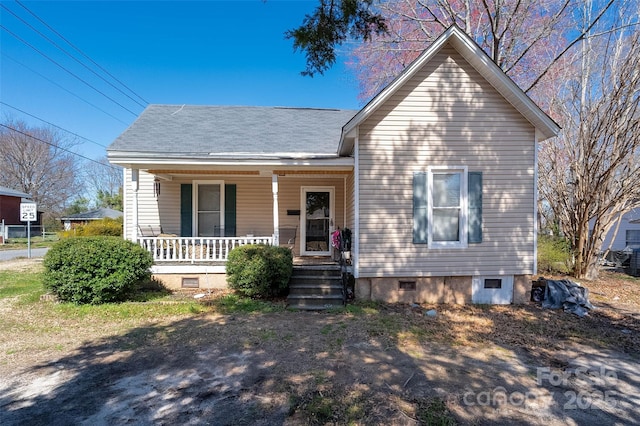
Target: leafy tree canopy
331 23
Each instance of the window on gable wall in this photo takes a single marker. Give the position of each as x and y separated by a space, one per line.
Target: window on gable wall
447 194
447 207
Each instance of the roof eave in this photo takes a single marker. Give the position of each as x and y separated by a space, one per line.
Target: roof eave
142 160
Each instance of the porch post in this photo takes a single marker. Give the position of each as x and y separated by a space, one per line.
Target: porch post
276 219
135 179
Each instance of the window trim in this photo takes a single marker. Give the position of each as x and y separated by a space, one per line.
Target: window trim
194 205
464 210
630 241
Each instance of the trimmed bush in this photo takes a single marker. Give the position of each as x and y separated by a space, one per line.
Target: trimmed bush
105 227
259 271
95 270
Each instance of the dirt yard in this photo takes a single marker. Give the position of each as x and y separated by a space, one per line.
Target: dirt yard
369 365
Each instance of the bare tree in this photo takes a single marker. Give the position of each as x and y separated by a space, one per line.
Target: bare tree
591 173
523 37
104 181
517 35
37 160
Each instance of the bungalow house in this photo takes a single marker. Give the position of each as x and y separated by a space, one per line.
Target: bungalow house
435 177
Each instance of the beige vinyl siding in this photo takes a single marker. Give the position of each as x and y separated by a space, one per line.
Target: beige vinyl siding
147 203
254 204
446 115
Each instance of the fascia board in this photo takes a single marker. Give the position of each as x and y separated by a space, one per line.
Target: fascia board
131 159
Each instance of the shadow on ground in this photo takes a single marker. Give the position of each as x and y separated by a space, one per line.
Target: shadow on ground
315 368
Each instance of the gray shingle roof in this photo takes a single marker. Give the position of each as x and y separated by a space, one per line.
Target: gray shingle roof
201 130
13 193
100 213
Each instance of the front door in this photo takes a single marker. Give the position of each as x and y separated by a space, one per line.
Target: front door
316 220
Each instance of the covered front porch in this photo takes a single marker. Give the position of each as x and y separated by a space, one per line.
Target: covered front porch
195 217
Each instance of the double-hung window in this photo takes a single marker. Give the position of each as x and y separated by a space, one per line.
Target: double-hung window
209 208
447 200
447 207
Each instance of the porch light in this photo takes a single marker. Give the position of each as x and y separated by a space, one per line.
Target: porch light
156 186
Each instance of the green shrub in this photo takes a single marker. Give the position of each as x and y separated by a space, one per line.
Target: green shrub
94 270
259 271
554 255
105 227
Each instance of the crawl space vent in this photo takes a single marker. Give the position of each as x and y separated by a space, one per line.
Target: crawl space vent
190 282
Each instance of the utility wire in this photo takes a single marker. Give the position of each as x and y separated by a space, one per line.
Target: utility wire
82 53
70 55
51 124
74 75
58 147
63 88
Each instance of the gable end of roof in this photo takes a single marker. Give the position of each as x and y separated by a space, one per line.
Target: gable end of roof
478 59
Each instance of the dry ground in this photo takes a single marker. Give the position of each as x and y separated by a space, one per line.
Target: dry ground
370 365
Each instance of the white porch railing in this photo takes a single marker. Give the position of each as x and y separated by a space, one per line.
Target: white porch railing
196 249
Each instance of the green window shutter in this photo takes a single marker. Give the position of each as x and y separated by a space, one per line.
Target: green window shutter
230 210
186 210
475 207
420 208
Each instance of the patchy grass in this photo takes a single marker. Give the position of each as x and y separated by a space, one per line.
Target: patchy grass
26 286
319 390
231 303
526 326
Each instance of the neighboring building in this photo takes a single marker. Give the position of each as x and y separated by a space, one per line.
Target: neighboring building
435 176
79 219
624 235
10 200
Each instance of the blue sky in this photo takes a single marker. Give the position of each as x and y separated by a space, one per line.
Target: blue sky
202 52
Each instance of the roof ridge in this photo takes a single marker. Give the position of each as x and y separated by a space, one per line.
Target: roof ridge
253 106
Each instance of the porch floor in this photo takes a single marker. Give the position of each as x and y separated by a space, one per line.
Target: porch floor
297 261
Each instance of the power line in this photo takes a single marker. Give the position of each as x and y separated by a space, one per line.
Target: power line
63 88
58 147
70 55
74 75
82 53
51 124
